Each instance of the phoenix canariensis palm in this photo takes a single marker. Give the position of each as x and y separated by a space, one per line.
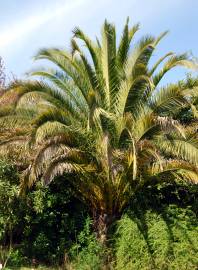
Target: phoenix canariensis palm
101 117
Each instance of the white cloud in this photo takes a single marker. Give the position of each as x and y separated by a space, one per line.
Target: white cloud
27 25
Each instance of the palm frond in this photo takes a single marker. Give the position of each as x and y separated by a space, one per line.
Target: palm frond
178 168
125 42
174 61
156 65
179 148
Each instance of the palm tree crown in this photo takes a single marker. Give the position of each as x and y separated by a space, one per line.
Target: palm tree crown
102 117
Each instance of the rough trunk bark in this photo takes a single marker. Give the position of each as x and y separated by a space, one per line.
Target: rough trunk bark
102 222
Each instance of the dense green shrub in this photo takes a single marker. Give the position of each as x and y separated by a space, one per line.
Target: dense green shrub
9 215
159 230
53 218
16 259
8 201
87 253
42 225
157 235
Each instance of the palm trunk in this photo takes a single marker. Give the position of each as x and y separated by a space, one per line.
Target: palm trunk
101 224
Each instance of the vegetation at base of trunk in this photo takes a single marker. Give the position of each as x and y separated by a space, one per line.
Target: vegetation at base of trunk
157 231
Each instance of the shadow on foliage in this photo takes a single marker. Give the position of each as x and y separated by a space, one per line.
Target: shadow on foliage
166 217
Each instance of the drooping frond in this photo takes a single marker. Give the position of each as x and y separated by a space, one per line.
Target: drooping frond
174 61
184 170
180 148
156 65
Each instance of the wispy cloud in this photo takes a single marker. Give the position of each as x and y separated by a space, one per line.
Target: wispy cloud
29 24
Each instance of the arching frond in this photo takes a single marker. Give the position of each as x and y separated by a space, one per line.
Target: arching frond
156 65
179 168
179 148
174 61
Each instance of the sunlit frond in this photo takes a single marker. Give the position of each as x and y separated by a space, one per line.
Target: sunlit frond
174 61
179 168
179 148
125 42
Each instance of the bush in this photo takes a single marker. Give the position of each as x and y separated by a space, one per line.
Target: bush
52 220
87 253
43 224
8 201
155 235
16 259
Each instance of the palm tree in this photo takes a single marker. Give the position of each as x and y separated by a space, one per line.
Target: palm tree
102 118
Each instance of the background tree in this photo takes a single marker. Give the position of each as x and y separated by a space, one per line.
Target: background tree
2 76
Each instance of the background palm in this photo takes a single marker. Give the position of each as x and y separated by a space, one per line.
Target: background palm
104 120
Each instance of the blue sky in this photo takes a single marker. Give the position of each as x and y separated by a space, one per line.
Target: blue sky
26 26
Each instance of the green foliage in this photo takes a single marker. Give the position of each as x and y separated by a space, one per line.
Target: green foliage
51 221
167 241
158 231
131 249
159 235
41 225
87 253
8 198
16 259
